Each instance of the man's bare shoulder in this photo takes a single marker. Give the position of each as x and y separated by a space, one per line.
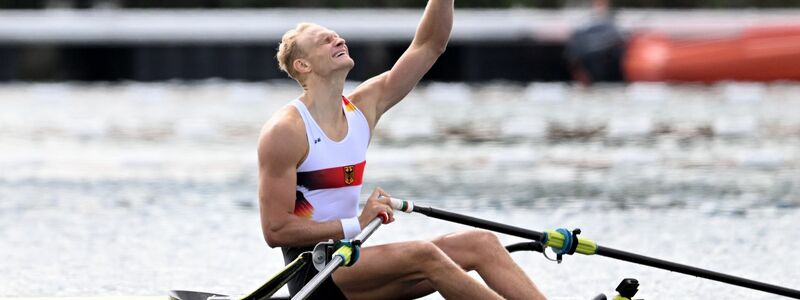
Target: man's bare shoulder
283 136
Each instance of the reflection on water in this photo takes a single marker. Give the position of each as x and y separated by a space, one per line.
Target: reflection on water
159 180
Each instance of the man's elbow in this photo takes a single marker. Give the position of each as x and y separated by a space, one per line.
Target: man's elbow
432 50
439 49
275 236
430 47
274 239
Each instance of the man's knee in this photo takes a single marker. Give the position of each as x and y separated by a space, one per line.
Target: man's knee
479 239
425 255
479 246
424 251
484 236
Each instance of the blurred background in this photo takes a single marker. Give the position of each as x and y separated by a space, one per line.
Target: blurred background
668 128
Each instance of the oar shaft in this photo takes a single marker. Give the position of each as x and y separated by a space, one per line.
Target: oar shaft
317 280
694 271
480 223
335 262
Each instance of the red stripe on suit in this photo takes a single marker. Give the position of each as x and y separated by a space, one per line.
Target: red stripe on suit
332 178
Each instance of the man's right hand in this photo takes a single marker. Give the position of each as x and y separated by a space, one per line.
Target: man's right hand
379 201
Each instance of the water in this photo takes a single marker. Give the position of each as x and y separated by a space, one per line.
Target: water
142 188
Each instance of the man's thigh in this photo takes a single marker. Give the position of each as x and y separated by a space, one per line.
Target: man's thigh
384 272
461 246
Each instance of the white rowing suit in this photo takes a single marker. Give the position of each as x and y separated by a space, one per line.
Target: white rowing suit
329 179
328 187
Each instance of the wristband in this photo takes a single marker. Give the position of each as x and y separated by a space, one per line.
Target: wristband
350 227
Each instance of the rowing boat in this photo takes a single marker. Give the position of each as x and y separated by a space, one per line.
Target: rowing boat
192 295
626 289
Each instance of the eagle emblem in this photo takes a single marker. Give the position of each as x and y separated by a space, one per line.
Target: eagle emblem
349 174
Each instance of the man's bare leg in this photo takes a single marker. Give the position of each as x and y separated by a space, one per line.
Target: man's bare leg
481 251
408 270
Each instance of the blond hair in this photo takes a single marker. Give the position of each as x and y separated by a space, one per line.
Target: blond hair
288 50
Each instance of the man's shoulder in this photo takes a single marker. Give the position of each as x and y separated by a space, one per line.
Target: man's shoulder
284 129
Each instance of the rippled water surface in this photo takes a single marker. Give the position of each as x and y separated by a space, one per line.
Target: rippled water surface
141 188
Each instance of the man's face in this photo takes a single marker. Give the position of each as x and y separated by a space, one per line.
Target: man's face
325 52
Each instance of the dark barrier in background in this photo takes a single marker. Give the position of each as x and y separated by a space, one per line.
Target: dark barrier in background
470 62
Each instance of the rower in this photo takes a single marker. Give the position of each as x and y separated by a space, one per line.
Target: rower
311 161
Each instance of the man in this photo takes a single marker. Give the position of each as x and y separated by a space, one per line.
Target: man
311 160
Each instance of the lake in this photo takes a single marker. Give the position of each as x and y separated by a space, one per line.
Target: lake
139 188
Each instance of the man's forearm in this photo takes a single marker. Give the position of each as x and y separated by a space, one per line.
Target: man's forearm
303 233
435 26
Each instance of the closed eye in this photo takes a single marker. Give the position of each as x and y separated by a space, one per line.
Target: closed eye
329 38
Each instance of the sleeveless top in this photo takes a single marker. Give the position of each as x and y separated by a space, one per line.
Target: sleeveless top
329 179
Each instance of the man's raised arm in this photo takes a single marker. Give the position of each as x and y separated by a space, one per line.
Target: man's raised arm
381 92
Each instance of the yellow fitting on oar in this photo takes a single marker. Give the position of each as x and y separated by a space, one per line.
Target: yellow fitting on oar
618 297
586 246
556 240
346 252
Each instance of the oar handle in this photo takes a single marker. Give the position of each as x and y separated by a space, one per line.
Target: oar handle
382 218
402 205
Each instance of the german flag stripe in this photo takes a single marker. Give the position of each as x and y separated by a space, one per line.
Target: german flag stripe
348 105
302 207
332 178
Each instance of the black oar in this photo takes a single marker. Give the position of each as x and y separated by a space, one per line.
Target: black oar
340 257
561 240
264 292
279 280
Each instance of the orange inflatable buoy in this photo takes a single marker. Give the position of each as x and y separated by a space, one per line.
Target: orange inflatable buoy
755 54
